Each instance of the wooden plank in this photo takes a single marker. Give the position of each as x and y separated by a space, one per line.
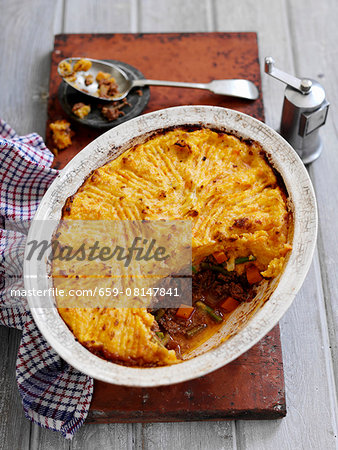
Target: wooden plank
44 439
318 60
58 24
95 16
310 419
23 104
270 22
195 435
14 427
173 16
24 100
107 436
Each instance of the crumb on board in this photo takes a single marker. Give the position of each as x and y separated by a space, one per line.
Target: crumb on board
61 134
112 111
82 65
139 92
81 110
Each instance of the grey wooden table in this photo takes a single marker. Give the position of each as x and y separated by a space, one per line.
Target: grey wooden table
302 35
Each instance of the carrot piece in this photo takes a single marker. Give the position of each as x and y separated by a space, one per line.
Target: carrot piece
220 257
252 274
229 304
184 311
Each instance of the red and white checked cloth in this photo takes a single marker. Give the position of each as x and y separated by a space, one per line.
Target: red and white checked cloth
54 394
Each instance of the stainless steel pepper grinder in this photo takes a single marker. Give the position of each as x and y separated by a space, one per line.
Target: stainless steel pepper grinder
304 112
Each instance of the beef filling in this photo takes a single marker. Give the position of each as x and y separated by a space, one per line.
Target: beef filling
209 289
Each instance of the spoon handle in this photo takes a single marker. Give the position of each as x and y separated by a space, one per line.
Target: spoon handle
141 83
232 88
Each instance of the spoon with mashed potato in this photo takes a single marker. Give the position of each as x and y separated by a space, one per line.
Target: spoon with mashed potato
107 81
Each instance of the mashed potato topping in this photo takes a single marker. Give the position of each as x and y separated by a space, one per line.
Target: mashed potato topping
223 184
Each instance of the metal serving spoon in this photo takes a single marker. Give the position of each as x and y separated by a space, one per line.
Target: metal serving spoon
232 88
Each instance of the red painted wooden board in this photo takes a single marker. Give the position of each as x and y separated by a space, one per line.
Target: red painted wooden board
251 387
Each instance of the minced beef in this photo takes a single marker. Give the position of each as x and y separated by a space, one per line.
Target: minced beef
212 287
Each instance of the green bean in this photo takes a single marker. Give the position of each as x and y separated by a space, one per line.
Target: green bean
244 259
163 338
195 330
201 305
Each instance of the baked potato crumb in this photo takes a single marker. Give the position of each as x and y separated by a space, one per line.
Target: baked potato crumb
108 88
82 65
112 111
65 68
61 134
103 76
81 110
